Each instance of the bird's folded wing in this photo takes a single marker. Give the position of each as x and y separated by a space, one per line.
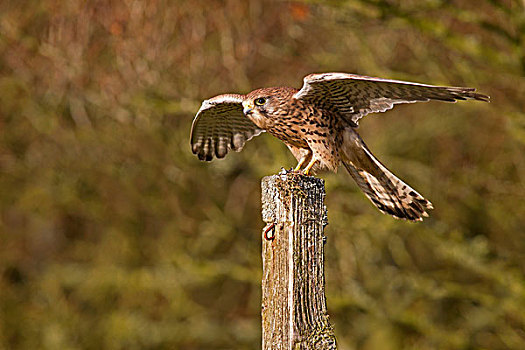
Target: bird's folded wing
219 126
354 96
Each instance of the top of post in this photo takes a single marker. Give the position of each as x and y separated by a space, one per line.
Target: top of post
287 185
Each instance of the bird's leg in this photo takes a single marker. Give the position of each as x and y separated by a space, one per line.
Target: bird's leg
306 170
301 162
305 157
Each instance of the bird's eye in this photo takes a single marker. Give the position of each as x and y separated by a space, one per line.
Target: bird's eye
259 101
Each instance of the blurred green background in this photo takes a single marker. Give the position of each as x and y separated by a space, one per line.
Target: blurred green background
114 236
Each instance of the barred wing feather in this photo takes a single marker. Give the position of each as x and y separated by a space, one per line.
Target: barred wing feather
355 96
219 126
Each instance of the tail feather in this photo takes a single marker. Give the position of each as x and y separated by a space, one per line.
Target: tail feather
386 191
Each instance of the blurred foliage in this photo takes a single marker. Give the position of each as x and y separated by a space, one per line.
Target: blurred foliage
114 236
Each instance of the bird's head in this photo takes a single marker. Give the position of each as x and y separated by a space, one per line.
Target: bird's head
262 105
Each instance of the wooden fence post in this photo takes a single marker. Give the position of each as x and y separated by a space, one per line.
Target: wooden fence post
294 312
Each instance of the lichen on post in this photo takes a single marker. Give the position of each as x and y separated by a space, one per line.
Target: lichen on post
294 314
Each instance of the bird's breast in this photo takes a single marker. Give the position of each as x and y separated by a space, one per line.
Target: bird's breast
290 131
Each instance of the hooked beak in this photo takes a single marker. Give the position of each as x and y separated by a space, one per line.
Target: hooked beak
247 108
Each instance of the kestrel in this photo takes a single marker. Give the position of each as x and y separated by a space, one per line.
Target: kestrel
319 124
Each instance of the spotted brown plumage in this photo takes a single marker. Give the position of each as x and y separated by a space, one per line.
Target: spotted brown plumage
319 124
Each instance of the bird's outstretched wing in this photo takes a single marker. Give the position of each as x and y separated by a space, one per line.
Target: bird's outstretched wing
219 126
354 96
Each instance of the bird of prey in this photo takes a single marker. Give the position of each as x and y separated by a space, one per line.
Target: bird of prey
319 124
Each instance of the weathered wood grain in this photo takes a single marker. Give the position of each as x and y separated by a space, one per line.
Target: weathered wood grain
294 314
